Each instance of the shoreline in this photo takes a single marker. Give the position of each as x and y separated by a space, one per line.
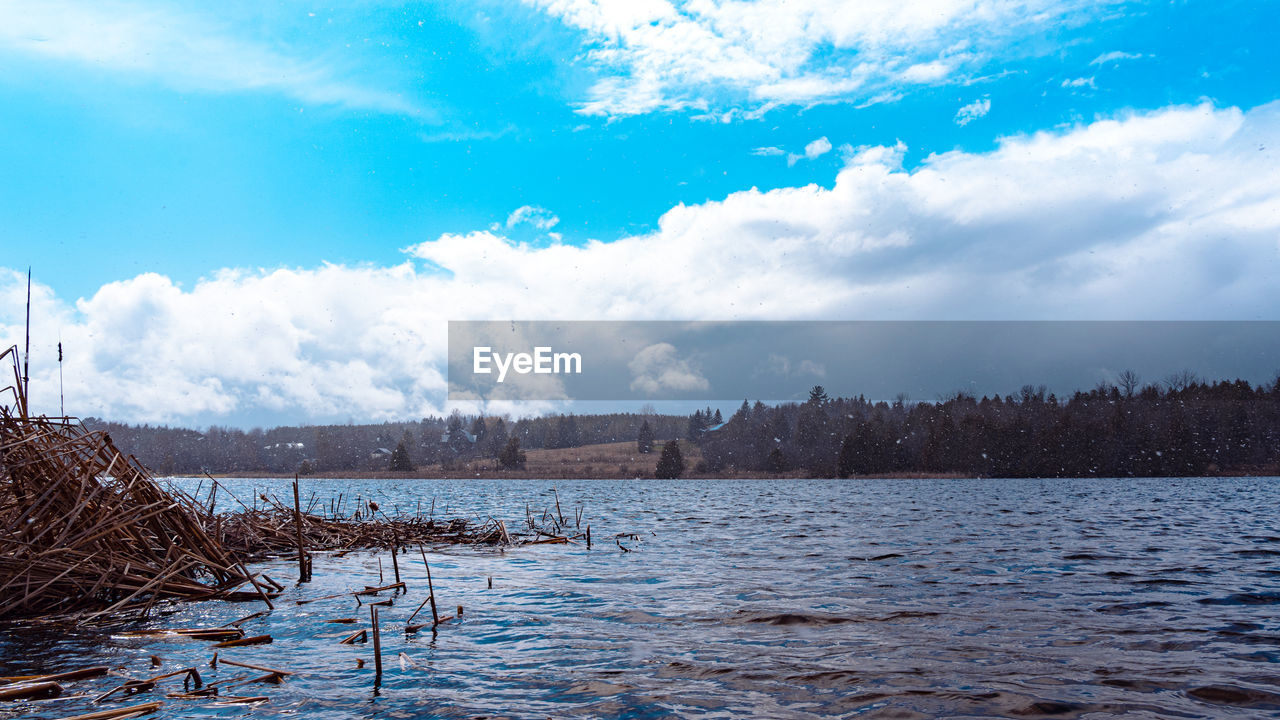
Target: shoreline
493 474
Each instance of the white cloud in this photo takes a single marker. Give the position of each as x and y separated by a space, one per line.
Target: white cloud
659 369
973 111
184 50
782 365
1115 56
817 148
1079 82
813 150
1173 214
926 72
538 217
768 151
674 54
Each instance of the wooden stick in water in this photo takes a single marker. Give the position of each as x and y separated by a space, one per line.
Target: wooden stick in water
435 616
254 582
395 564
303 575
255 640
377 643
245 619
369 590
424 604
124 712
357 636
256 667
22 691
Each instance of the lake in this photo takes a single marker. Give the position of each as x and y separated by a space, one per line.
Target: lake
1148 598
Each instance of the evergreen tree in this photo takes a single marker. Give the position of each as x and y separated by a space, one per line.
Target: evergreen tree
717 420
512 457
697 424
777 462
848 458
644 443
671 464
496 439
818 395
565 433
478 429
400 461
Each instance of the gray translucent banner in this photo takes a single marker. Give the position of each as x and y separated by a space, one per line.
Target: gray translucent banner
668 360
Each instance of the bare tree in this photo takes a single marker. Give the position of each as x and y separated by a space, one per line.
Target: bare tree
1181 380
1129 382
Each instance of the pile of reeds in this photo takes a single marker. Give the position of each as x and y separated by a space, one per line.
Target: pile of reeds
84 527
272 529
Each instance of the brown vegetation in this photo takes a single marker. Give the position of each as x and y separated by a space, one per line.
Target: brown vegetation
84 527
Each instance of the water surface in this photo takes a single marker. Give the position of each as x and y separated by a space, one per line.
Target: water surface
784 599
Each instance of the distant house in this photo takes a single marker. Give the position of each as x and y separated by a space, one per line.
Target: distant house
446 438
380 454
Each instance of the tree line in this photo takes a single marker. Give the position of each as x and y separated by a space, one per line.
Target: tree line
442 441
1182 426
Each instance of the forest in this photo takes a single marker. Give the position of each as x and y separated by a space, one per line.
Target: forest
1179 427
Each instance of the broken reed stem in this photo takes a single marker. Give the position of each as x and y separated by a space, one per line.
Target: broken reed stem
377 642
304 575
261 593
424 604
395 564
435 615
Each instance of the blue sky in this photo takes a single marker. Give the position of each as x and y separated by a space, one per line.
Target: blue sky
162 156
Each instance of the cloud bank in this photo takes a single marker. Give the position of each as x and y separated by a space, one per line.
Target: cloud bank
1173 214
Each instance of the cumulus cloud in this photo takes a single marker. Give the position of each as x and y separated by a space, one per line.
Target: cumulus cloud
538 217
675 54
659 369
184 50
973 111
1172 214
813 150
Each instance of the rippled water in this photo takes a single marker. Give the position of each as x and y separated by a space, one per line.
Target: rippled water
784 599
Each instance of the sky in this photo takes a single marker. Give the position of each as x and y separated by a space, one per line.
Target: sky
248 213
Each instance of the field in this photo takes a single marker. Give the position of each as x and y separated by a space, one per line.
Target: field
618 460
